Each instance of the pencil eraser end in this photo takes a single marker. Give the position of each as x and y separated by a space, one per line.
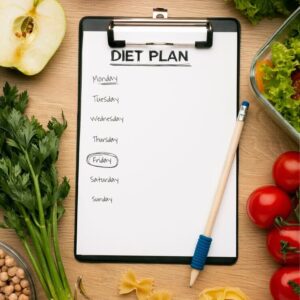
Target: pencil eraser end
245 103
201 252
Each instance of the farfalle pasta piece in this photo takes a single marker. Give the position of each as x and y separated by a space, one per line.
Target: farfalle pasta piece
161 295
235 294
129 283
222 293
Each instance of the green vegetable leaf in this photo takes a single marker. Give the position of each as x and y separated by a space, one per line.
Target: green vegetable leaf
39 130
11 99
58 127
12 143
4 166
3 201
14 221
63 189
255 10
29 187
62 193
46 183
22 102
60 212
278 82
4 225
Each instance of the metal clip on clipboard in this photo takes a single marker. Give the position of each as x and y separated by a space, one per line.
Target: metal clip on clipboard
159 19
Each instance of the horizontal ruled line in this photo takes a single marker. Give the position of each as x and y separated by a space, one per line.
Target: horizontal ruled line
108 83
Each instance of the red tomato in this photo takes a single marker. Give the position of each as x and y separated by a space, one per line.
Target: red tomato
284 244
286 171
266 203
284 283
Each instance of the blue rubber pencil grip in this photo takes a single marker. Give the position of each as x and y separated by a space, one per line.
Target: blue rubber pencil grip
201 252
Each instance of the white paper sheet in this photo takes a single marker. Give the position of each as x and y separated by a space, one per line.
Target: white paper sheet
153 140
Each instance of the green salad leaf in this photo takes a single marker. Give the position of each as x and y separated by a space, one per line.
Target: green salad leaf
277 78
255 10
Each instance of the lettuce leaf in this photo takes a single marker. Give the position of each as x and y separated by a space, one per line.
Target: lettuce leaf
277 80
255 10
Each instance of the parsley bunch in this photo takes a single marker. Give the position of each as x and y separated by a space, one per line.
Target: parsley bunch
31 195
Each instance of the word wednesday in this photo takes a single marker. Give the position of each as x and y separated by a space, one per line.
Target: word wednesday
153 55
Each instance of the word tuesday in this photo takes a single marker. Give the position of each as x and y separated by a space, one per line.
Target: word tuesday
153 55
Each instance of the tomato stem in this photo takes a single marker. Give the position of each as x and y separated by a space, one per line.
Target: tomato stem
285 248
279 222
295 286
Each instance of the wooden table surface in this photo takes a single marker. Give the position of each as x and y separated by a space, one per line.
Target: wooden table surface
56 88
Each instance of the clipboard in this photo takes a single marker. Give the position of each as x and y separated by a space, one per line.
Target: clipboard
157 102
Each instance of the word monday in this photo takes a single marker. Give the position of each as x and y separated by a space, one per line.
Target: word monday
151 55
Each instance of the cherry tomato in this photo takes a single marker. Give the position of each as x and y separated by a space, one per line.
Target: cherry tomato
286 171
284 244
284 283
266 203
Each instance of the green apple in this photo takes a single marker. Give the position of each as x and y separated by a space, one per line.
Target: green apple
30 33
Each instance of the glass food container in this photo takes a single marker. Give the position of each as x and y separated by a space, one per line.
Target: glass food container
265 53
22 264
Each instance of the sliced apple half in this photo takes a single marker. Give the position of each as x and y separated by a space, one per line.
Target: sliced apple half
30 33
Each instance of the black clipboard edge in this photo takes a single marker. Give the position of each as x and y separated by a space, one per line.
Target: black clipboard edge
153 259
229 25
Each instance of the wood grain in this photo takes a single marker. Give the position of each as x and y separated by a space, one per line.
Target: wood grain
55 89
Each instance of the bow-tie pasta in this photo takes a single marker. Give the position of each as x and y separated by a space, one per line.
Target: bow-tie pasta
222 293
164 295
143 288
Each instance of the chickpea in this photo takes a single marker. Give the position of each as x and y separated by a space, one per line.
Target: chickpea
13 297
9 261
24 283
4 269
8 289
20 273
26 291
12 271
15 280
3 276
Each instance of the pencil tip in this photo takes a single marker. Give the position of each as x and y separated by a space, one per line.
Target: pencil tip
194 275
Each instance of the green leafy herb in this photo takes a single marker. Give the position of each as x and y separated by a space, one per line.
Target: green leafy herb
277 78
255 10
31 194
